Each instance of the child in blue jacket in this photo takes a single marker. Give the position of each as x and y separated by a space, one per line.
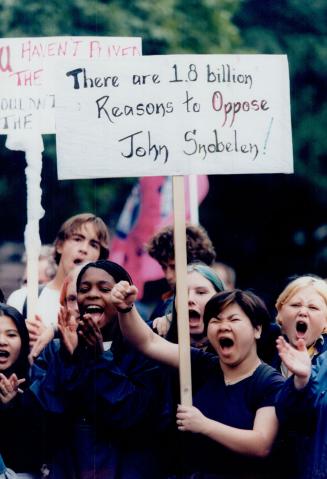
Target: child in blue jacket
107 402
303 400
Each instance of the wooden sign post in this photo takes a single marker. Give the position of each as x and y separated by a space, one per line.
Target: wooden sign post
174 115
183 328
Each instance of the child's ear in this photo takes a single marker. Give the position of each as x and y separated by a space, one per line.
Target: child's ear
59 246
257 332
279 320
324 331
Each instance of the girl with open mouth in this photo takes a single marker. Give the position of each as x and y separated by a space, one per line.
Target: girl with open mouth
21 418
104 394
232 425
302 314
302 400
202 284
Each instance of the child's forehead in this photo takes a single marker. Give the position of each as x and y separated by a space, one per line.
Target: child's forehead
7 322
85 229
309 293
98 275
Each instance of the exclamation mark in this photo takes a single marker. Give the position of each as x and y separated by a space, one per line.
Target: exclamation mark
267 135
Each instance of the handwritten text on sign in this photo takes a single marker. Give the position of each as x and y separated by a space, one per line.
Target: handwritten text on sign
170 115
27 93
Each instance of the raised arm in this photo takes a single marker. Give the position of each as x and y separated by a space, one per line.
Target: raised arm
136 331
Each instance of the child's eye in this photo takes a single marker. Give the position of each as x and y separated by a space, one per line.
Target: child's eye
202 291
71 298
214 321
83 289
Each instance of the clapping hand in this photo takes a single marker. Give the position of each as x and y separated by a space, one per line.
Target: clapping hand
297 360
9 387
40 335
67 326
91 333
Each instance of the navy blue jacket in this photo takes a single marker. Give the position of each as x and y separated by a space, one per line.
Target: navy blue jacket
109 412
308 408
23 433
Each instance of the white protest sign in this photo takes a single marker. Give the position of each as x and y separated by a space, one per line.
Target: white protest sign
27 97
173 115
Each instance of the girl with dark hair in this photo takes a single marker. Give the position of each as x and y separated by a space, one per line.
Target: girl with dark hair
14 357
232 426
21 419
100 390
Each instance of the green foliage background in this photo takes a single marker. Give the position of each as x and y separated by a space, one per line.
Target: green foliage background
168 26
265 220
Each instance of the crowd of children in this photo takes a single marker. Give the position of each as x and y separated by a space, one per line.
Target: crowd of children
88 387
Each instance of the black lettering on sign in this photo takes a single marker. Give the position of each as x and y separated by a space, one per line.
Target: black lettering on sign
217 145
226 74
143 146
143 79
82 80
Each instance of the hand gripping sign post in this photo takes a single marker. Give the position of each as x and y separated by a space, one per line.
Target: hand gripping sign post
27 102
174 115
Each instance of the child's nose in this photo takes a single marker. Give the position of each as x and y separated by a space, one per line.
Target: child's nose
224 326
83 246
3 339
93 292
191 299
